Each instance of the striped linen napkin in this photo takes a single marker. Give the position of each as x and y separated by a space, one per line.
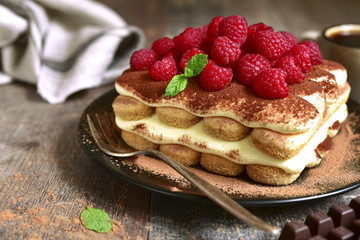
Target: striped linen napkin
63 46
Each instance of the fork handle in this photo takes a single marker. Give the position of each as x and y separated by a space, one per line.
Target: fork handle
216 194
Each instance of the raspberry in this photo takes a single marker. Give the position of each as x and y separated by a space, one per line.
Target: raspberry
206 47
290 38
203 31
143 59
213 29
175 54
235 28
190 38
314 52
163 70
248 46
214 78
270 44
188 55
224 51
162 45
302 58
249 66
273 62
294 73
271 84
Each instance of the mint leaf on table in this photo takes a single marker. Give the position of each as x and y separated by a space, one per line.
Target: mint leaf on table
193 68
96 220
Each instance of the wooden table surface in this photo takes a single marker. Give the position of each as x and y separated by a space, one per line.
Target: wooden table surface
46 179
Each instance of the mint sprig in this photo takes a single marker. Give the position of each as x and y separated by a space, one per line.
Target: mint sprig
193 68
96 220
176 85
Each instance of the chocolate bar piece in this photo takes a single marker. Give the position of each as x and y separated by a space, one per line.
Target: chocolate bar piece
342 215
342 222
295 230
341 233
355 204
319 224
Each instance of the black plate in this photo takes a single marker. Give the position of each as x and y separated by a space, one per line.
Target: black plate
163 184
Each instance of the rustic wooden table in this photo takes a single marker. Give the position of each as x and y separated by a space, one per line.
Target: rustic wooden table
46 179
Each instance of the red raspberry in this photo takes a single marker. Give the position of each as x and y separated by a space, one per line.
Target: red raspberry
248 46
314 52
273 62
190 38
213 29
203 31
188 55
224 51
290 38
235 28
162 45
214 78
270 44
249 66
271 84
206 47
302 58
143 59
175 54
205 44
163 70
294 73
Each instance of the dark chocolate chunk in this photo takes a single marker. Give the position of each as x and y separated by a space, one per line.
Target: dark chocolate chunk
342 222
342 215
355 204
355 227
295 230
340 233
319 223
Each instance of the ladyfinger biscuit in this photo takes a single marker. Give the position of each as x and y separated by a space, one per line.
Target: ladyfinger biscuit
138 142
270 175
225 128
277 145
176 117
220 165
182 154
130 109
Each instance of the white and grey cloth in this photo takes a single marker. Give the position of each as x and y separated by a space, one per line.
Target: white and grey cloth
63 46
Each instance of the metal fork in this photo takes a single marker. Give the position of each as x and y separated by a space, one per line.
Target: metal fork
108 139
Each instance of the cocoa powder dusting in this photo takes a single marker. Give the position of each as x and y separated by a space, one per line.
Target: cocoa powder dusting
335 126
139 127
325 145
339 168
36 221
329 66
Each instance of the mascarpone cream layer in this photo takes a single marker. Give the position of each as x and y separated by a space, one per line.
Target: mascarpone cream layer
242 152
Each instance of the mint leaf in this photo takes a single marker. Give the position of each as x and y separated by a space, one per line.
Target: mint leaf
193 68
176 85
96 220
195 65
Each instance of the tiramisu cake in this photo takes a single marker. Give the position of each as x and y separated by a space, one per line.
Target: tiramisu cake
235 99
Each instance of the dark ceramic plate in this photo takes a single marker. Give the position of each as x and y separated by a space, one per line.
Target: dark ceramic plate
330 186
